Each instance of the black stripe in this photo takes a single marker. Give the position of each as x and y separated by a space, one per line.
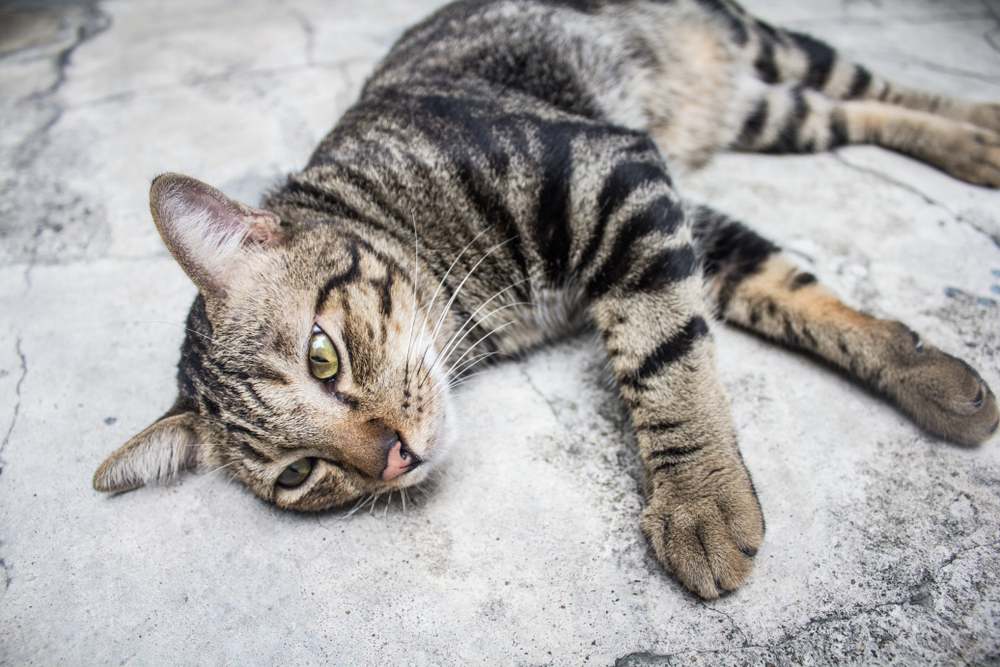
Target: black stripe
665 466
270 374
660 214
659 427
675 450
859 83
666 268
330 203
489 206
624 179
768 30
821 60
730 249
838 129
753 125
788 138
332 283
210 406
350 400
553 223
385 295
669 351
802 280
766 68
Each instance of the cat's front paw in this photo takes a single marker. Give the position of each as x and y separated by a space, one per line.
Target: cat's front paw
707 540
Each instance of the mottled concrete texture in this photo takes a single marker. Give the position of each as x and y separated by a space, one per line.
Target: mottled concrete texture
882 544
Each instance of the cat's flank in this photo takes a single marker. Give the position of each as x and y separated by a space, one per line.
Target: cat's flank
505 178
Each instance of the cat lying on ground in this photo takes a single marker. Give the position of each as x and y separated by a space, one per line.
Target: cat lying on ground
504 178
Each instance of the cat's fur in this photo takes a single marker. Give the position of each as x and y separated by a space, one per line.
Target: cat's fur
526 144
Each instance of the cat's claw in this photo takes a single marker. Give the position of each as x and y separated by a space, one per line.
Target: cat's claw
708 542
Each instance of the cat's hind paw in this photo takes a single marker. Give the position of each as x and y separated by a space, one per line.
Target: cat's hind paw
971 154
942 393
986 116
708 543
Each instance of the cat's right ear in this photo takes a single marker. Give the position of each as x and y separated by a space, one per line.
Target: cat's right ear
207 232
159 453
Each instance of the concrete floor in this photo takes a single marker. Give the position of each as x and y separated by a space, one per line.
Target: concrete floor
883 544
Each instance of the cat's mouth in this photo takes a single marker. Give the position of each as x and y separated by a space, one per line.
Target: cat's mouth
399 460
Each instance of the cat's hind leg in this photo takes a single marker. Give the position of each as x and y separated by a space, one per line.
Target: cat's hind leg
801 96
757 288
797 119
782 56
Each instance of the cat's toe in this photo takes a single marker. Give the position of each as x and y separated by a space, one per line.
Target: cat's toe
707 544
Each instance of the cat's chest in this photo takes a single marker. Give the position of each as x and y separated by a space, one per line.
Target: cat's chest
552 313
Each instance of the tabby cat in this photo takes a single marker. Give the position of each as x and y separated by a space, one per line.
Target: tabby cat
505 178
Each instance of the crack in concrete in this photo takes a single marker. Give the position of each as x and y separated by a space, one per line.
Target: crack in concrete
992 37
732 622
5 566
7 576
95 22
309 30
17 403
541 395
885 178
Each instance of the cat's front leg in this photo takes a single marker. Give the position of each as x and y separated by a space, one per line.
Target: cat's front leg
703 518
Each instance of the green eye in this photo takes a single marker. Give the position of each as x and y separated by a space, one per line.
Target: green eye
323 360
295 474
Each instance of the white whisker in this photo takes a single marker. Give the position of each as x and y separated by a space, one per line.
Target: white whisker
446 354
437 290
476 311
447 306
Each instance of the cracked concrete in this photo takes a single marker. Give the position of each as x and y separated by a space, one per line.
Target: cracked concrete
882 546
17 401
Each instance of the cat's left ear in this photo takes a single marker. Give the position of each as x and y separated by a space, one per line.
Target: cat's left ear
158 453
206 231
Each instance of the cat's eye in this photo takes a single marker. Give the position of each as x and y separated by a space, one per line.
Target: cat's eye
323 360
295 474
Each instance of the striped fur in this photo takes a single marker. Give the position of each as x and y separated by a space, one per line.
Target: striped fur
504 178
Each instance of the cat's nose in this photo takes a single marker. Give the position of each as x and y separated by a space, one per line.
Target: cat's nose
399 460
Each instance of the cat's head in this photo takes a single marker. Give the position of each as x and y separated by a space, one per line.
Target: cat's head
308 371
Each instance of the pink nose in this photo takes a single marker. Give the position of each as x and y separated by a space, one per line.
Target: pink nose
399 461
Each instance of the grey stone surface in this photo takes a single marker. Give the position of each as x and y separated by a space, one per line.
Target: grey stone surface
882 546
